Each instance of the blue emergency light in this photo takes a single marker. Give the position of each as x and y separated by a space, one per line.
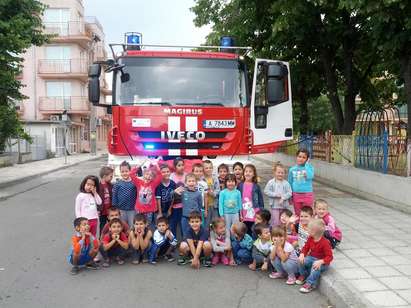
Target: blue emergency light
132 40
226 41
149 146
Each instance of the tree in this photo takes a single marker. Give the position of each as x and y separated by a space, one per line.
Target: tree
331 36
20 28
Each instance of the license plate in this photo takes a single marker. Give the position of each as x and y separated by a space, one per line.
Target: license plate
218 123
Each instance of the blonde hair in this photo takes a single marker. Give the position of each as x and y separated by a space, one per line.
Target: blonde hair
278 164
317 223
319 202
190 176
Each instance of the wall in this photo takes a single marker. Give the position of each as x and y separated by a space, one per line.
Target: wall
389 190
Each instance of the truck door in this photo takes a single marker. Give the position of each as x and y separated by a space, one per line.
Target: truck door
271 108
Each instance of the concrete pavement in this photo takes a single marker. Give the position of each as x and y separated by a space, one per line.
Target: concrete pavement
372 266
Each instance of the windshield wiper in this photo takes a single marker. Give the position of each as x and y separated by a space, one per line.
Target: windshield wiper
153 103
202 104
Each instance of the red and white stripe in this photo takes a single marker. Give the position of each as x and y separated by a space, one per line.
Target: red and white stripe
189 124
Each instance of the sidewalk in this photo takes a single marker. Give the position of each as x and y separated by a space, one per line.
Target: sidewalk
22 172
372 266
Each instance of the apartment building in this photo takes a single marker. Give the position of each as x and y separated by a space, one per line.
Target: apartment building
55 79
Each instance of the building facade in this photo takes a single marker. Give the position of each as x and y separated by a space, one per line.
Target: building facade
55 79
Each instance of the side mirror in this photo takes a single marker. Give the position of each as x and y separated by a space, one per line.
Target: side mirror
277 83
94 73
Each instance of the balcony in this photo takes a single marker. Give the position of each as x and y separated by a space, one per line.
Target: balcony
58 104
63 69
68 32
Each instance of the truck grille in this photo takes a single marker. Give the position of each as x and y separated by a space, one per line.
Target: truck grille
157 135
199 146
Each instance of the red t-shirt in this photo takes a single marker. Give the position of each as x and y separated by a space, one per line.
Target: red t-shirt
106 228
146 193
105 192
319 250
107 238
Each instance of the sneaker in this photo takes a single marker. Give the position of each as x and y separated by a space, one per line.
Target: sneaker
291 280
300 280
93 265
135 262
207 262
74 270
225 260
215 259
169 258
106 263
145 260
276 275
306 288
182 260
153 262
120 261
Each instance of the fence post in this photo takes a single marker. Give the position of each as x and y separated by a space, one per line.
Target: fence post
385 152
353 148
408 155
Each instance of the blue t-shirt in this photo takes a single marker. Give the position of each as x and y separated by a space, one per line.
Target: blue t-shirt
301 178
165 194
192 201
229 202
201 235
124 195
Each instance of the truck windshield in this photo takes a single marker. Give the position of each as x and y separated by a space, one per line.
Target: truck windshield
181 81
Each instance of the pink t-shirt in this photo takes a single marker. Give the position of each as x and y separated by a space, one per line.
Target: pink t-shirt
248 211
179 180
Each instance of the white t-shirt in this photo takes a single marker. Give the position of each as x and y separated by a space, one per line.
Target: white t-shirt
288 248
202 187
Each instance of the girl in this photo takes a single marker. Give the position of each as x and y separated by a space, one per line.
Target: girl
300 178
283 257
252 197
87 201
238 170
229 203
279 192
287 223
125 194
140 239
175 212
220 241
332 232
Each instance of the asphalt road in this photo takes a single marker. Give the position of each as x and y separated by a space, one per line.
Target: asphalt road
35 231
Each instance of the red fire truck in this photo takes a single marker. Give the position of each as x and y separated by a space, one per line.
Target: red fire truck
193 102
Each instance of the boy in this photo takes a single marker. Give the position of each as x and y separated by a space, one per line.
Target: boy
105 192
192 201
164 242
306 215
241 244
261 217
195 243
261 247
84 246
202 186
222 173
114 244
212 192
113 213
315 257
165 192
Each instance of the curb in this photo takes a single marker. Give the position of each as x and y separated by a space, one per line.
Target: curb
30 177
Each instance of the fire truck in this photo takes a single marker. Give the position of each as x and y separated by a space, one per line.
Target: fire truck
194 102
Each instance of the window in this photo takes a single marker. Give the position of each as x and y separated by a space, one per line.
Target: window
260 87
57 20
60 91
60 58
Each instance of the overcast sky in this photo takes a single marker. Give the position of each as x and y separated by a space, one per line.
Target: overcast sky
160 21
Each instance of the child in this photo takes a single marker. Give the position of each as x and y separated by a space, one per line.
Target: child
195 243
125 194
262 217
306 215
229 203
114 244
315 256
84 246
192 201
241 244
220 241
279 192
176 211
212 192
87 201
222 173
283 257
202 186
238 170
146 202
332 232
140 239
113 213
300 178
165 192
287 222
261 248
106 193
164 242
252 197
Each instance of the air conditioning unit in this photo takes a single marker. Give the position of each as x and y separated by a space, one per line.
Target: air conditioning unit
54 118
99 122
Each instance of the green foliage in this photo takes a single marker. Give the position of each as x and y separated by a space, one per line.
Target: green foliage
20 27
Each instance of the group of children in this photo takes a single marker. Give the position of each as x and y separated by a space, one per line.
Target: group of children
221 219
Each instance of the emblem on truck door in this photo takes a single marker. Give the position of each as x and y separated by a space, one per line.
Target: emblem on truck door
181 136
